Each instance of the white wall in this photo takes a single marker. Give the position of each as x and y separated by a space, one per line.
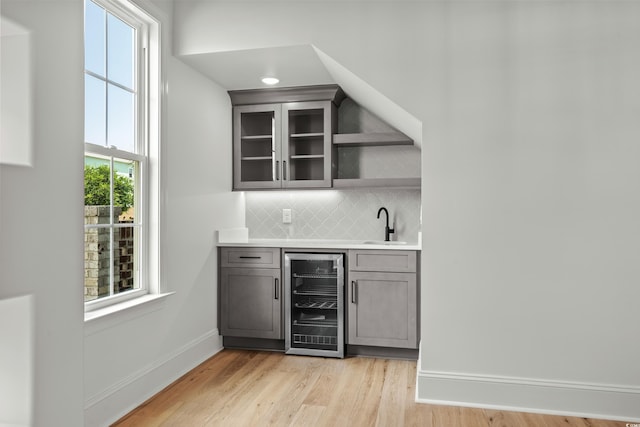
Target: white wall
128 360
41 218
91 374
530 181
531 207
16 360
16 102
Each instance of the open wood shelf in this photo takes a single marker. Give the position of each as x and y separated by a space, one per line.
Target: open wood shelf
257 158
307 156
371 139
306 135
257 137
377 182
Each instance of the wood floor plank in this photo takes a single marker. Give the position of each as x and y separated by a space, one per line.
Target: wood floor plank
325 384
251 388
447 416
392 398
539 419
307 415
367 396
416 415
147 414
234 393
307 371
257 402
341 396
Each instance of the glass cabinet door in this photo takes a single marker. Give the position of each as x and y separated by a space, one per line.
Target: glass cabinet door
307 149
256 146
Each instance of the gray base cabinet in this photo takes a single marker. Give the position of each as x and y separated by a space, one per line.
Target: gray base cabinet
250 293
382 304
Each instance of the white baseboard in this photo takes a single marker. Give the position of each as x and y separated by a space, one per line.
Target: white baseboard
611 402
106 407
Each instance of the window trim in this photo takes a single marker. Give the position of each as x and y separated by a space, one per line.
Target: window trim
148 88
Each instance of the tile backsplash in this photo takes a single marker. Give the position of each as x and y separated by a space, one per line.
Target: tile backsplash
333 214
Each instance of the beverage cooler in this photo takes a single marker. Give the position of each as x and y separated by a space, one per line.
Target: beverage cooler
314 304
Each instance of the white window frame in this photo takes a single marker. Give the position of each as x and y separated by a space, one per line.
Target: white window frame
147 85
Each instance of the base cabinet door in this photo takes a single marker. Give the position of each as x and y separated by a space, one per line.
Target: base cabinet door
251 303
382 309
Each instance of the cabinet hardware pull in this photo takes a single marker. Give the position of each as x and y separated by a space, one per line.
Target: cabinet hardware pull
277 170
284 170
276 289
353 292
249 257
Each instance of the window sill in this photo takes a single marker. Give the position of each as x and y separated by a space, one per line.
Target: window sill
103 318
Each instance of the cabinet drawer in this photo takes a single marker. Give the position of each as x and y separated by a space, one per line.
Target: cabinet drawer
250 257
381 260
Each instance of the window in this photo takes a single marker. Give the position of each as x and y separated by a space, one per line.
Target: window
121 152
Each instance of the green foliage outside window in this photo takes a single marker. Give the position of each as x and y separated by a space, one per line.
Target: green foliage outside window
96 188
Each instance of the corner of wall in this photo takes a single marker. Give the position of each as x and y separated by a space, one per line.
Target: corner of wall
120 398
600 401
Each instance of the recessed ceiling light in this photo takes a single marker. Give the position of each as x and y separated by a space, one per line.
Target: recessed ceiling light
270 80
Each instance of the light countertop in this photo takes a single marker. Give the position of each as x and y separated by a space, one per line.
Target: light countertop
324 244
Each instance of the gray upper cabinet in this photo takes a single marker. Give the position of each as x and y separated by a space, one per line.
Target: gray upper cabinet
250 293
382 299
257 146
316 137
282 138
307 149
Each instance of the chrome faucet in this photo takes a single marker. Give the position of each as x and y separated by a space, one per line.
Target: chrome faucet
387 230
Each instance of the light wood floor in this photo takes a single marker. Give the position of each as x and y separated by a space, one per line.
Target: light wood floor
251 388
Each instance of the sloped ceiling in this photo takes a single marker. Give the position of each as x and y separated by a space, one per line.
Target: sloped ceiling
243 69
303 65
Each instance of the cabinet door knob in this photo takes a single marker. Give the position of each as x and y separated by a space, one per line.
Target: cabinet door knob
277 288
284 170
277 170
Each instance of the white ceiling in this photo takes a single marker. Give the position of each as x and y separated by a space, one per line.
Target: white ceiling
243 69
10 28
302 65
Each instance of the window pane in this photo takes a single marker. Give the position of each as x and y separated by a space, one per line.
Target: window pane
120 52
121 118
124 189
97 187
95 104
110 252
97 257
125 242
94 38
